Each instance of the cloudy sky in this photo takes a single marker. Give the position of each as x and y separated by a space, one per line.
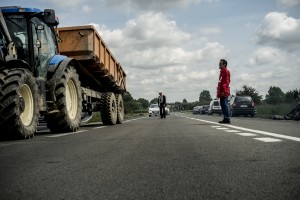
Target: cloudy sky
174 46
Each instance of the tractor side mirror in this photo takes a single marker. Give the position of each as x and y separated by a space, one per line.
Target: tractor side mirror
49 17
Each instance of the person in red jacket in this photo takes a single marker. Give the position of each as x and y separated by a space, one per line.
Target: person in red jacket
223 90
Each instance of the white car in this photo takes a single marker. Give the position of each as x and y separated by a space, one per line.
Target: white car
167 111
153 110
215 107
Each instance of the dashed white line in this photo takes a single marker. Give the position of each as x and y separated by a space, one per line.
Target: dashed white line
247 134
268 139
297 139
232 131
99 127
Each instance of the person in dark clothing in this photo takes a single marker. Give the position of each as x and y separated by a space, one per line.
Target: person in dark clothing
161 101
224 90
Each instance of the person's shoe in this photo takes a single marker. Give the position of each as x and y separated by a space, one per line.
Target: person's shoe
225 121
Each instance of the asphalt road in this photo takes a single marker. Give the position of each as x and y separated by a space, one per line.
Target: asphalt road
180 157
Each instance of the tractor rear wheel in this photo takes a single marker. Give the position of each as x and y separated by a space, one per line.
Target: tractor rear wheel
68 101
120 109
18 104
108 108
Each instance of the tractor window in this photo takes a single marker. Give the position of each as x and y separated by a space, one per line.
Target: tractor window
45 44
17 27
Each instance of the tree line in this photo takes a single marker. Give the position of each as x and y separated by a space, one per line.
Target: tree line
274 96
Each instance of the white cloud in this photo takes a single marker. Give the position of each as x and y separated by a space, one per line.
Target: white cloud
154 4
86 8
158 55
266 55
67 3
211 30
279 30
289 3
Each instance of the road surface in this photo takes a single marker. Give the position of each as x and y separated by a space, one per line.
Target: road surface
181 157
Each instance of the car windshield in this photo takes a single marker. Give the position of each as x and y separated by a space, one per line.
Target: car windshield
153 106
216 103
241 99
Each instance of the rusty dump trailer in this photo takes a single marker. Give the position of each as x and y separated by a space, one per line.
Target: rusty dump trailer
100 74
85 45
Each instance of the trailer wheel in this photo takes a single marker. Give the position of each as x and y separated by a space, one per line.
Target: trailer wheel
108 108
18 104
68 102
120 109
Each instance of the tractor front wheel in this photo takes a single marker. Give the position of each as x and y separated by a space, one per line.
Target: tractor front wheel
18 104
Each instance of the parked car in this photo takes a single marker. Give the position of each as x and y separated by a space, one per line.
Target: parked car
204 109
242 105
214 107
167 111
153 110
196 110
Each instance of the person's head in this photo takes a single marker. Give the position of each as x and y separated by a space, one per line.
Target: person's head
222 63
160 93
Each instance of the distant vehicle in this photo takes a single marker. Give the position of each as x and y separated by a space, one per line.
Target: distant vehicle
204 109
153 110
196 110
242 105
214 107
167 111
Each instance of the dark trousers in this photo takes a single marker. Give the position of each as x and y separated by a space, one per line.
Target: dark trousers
162 111
225 107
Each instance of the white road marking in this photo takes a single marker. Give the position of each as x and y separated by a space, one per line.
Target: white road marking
71 133
222 128
297 139
247 134
99 127
267 139
64 134
216 126
232 131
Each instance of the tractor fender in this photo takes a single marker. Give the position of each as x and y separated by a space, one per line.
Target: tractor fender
56 68
16 64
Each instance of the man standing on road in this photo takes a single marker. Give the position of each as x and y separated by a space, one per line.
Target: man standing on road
161 101
223 90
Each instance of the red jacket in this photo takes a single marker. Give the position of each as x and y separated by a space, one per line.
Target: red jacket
223 89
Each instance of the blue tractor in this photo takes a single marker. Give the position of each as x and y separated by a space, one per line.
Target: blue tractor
34 79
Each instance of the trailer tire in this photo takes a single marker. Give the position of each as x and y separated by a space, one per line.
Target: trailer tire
68 101
108 108
120 109
18 104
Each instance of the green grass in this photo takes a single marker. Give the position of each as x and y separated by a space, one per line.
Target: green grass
279 109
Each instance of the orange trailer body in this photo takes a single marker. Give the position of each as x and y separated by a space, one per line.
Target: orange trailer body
96 61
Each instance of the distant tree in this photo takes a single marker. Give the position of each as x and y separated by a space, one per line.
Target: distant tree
130 105
292 96
144 102
184 101
127 97
249 91
204 97
275 95
153 101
